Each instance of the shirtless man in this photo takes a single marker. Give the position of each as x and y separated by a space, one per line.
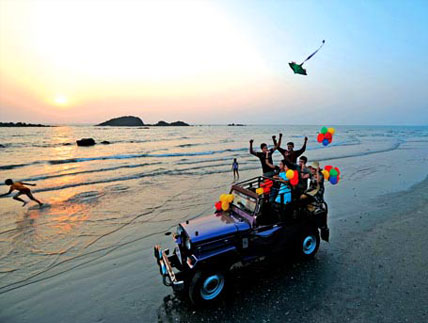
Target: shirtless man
19 186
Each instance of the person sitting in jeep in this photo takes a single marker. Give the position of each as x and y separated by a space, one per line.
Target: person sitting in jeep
316 184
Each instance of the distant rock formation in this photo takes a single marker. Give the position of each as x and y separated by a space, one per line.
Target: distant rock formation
161 124
21 124
105 142
172 124
236 125
128 121
85 142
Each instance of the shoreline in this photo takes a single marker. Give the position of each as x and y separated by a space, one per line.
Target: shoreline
104 264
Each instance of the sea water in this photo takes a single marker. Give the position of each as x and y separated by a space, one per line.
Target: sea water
140 185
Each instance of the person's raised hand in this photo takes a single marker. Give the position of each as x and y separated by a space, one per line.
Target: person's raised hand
251 141
306 139
280 134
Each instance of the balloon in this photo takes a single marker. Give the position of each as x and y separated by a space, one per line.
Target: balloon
230 198
333 172
324 130
333 180
295 180
320 137
330 140
223 197
326 174
328 135
331 130
325 142
338 178
289 174
224 206
218 206
268 183
337 169
260 191
328 167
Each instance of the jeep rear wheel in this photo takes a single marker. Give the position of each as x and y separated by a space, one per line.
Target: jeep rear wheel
309 244
207 287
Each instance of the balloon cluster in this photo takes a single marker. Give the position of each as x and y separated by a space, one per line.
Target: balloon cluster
332 174
293 176
325 136
224 203
265 187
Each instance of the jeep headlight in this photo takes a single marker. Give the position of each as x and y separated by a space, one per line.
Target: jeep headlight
188 244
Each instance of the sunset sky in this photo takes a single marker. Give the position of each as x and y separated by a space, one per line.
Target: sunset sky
212 62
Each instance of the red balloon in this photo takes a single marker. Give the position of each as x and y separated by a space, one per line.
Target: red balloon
330 140
338 171
328 167
218 206
320 137
328 136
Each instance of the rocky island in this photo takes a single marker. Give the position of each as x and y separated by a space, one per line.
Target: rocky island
128 121
21 124
131 121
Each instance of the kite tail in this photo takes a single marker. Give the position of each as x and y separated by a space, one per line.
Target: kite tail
310 56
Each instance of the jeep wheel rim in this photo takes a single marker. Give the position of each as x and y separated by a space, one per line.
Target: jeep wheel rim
212 286
309 244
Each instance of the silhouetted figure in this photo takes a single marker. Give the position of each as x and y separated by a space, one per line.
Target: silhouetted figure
235 168
19 186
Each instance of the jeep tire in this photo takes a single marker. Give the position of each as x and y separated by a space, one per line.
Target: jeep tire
206 287
308 244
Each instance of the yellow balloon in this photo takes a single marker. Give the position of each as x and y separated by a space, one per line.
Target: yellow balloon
289 174
223 197
331 130
260 191
230 198
326 174
224 206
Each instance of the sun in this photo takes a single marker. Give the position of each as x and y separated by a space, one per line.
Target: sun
60 100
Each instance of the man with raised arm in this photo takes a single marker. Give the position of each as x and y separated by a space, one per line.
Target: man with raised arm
290 153
265 155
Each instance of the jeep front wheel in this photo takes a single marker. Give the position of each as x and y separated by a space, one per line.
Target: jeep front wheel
207 287
309 244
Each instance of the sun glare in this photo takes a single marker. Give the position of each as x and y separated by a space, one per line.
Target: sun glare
60 100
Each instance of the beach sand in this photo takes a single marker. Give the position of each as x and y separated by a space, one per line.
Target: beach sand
374 268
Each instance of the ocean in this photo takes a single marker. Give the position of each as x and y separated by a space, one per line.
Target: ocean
125 195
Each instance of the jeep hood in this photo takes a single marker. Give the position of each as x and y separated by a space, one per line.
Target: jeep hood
212 226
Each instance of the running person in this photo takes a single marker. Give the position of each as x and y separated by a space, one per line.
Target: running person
19 186
235 168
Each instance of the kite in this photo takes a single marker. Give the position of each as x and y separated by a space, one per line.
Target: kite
298 68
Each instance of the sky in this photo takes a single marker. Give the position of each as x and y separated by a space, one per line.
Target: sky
214 62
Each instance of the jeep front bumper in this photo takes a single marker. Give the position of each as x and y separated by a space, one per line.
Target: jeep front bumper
165 268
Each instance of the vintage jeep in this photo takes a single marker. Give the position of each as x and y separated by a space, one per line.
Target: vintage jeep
254 227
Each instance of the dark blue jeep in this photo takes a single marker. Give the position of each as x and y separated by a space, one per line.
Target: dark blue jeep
254 227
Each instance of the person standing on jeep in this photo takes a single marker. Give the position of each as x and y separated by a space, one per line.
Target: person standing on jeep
290 153
265 155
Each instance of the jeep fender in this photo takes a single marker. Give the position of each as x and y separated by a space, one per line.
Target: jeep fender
222 258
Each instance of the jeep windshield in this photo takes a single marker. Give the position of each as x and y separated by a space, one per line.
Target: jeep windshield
244 202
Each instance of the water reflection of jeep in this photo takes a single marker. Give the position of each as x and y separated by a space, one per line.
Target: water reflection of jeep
254 227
